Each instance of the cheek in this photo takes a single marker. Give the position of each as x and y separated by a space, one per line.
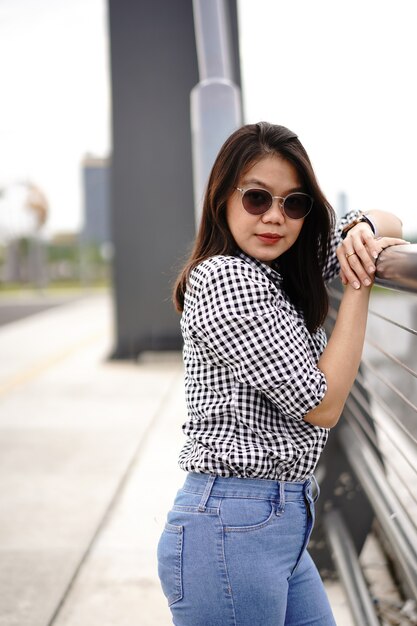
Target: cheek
297 229
235 219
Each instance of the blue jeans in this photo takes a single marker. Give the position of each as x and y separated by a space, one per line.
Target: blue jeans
233 553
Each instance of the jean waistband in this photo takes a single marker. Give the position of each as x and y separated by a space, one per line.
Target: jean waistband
235 487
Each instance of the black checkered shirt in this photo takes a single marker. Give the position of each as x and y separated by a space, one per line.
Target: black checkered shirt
251 372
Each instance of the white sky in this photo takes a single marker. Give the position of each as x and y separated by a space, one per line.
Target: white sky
340 74
54 104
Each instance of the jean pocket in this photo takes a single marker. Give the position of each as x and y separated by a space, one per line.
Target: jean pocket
244 514
170 562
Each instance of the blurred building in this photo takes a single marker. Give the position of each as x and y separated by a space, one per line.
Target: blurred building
96 189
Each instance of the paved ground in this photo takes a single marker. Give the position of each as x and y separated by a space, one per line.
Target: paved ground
88 452
18 305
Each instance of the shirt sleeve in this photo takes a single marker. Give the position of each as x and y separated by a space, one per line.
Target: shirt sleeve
332 266
252 330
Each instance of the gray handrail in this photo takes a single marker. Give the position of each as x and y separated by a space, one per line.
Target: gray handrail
396 268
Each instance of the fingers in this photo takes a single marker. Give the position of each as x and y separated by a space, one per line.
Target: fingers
357 255
366 251
354 270
386 242
343 278
372 244
381 243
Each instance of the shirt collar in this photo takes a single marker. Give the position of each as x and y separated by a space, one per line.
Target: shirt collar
270 271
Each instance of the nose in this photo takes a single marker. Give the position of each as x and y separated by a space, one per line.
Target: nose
275 213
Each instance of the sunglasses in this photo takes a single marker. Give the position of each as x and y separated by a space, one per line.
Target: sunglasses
258 201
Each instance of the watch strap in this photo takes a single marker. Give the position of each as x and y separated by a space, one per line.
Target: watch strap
370 221
362 218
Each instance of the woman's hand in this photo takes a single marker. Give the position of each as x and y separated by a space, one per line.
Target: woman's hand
358 252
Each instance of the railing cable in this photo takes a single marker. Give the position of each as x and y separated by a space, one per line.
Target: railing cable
390 356
363 402
393 322
372 437
360 378
389 384
378 400
334 293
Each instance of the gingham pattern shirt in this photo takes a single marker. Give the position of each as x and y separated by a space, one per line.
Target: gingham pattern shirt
251 372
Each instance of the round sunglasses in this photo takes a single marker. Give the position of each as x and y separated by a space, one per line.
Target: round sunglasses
258 201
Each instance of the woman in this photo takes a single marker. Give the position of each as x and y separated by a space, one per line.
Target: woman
262 387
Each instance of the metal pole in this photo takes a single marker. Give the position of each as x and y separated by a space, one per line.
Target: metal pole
216 100
349 570
397 268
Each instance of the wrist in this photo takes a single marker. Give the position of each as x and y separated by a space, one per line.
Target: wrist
367 219
362 293
362 219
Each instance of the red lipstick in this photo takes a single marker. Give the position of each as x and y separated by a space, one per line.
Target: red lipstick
269 238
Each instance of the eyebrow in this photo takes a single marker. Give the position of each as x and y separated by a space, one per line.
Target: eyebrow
260 183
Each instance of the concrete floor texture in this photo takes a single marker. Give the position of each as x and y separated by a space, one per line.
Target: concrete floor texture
88 470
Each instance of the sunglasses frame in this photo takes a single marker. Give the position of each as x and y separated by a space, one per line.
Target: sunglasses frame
301 193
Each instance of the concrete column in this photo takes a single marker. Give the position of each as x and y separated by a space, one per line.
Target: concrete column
154 68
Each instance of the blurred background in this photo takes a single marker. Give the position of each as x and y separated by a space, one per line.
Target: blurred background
55 143
340 75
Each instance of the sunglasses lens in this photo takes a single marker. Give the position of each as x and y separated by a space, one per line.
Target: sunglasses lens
256 201
297 205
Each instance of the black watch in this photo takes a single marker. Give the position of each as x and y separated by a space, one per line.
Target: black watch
358 220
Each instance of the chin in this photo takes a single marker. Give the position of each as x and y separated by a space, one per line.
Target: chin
268 258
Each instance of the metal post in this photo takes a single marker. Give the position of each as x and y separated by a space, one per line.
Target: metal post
349 570
216 100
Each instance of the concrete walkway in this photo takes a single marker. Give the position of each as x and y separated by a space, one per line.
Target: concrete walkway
88 469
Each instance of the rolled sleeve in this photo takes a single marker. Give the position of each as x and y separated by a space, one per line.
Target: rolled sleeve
332 266
252 330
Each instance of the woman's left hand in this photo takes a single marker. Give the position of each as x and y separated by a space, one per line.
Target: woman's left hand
358 252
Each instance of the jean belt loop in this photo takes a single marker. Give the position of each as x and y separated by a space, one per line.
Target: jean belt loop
317 488
206 493
281 503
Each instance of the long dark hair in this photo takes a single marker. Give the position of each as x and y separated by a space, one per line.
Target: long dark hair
302 265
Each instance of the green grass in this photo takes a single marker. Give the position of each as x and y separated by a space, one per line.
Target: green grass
53 288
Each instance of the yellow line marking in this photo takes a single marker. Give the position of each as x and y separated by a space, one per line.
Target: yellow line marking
43 365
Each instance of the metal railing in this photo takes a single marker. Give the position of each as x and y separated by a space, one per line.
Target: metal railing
378 437
397 268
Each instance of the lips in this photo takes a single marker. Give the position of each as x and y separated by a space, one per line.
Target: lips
269 238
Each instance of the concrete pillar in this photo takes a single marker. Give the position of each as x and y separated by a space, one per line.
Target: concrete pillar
154 68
